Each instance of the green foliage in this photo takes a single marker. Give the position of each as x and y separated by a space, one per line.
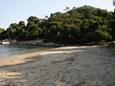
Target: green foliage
1 35
1 30
78 25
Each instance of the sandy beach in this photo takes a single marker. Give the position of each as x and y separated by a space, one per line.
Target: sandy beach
63 66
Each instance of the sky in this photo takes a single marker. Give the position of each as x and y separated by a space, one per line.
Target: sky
12 11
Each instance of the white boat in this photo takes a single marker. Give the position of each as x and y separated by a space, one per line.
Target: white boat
5 41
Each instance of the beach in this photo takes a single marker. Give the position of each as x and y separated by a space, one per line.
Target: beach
63 66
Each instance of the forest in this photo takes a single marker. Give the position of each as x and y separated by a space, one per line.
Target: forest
74 26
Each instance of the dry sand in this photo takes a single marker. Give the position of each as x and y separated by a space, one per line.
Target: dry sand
64 66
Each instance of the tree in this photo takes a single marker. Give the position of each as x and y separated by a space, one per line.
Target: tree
11 31
66 9
1 33
33 19
32 29
78 25
20 32
1 30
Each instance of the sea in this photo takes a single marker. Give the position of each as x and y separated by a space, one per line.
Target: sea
7 51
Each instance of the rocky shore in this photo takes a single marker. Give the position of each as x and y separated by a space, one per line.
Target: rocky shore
40 43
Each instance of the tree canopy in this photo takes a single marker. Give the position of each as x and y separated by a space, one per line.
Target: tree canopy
78 25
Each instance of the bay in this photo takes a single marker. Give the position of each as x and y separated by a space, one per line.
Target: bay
7 51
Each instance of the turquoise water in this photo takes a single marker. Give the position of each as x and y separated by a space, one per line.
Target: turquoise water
10 50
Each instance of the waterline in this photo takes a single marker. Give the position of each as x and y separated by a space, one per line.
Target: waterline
10 50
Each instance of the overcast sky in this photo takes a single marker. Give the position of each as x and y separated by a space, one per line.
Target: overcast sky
16 10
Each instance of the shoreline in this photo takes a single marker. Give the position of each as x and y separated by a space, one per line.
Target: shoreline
19 59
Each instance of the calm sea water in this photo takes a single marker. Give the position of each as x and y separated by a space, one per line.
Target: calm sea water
10 50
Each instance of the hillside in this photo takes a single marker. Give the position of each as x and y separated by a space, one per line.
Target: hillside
78 25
